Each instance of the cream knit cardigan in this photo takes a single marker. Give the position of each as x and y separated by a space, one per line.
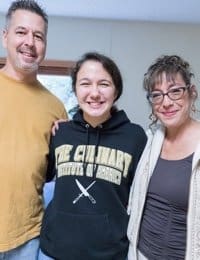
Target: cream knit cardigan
139 189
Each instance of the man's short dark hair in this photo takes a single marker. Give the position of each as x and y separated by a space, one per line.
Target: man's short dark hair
28 5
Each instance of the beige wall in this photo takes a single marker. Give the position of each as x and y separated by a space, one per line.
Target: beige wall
133 45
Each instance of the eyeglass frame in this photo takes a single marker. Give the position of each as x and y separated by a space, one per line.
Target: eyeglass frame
184 88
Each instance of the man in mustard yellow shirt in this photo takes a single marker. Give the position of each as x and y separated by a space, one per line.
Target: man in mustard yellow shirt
27 111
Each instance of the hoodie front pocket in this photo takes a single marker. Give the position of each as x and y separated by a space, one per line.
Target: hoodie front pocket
72 233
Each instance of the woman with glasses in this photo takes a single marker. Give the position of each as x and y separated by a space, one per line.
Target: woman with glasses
165 197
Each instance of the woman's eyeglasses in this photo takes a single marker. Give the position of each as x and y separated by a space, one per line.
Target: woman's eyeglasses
174 93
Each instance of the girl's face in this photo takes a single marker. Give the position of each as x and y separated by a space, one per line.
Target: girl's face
95 92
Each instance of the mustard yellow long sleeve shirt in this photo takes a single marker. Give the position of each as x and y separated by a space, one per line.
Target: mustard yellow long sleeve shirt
26 116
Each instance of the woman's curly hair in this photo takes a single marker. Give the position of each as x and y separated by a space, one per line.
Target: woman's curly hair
170 65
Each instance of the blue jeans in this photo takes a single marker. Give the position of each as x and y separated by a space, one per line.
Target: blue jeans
48 194
42 256
27 251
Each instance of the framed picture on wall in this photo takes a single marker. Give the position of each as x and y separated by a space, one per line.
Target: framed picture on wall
61 86
55 76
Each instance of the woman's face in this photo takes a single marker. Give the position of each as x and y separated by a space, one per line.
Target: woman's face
173 113
95 92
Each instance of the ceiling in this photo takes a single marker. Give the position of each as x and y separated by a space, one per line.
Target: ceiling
179 11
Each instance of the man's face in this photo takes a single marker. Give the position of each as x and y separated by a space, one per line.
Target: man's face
25 41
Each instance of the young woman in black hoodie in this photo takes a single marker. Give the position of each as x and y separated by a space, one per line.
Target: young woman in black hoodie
94 157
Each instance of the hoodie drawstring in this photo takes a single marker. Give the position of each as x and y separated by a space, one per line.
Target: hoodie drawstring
94 168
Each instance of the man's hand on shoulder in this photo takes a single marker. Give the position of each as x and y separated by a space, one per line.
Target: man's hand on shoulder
55 126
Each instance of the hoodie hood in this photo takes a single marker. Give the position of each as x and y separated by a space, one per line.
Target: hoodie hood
117 119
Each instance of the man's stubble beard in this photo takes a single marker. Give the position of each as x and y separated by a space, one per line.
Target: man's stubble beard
28 67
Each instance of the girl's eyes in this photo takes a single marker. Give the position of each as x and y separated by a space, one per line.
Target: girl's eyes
84 84
104 85
87 84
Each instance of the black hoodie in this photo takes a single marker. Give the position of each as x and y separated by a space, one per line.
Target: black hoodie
94 167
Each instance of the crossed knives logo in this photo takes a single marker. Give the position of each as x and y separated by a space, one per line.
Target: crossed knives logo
84 192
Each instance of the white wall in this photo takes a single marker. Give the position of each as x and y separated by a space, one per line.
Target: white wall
133 45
